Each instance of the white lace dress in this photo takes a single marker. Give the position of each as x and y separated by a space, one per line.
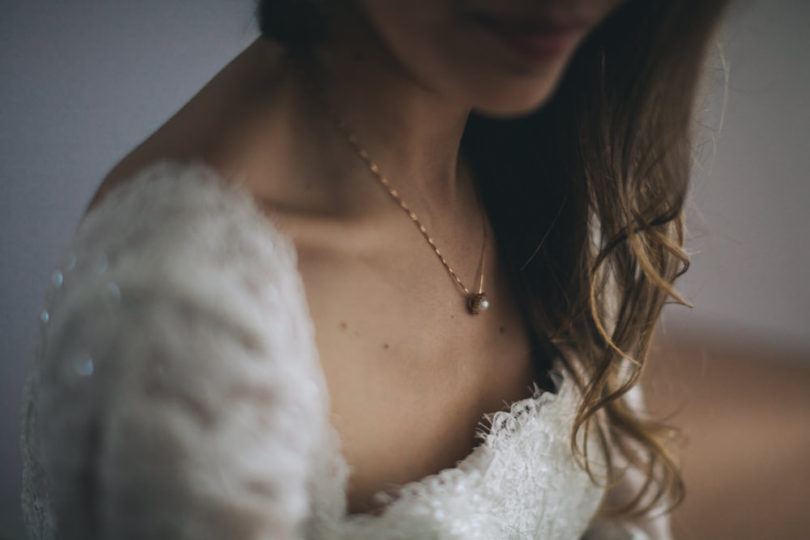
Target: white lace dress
176 393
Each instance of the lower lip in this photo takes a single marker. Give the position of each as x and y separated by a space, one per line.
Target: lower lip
538 46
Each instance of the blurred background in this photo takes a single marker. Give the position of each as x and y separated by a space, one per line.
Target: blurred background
84 82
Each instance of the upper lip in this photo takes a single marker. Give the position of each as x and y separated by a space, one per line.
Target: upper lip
534 22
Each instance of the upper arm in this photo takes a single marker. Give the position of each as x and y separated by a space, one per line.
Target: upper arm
170 397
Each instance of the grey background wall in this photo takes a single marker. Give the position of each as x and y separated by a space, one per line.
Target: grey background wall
749 218
83 82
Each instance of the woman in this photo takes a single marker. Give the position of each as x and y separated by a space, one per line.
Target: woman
249 338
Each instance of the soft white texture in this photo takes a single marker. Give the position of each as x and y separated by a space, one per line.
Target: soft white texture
176 392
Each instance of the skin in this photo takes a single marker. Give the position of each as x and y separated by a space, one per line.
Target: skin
409 372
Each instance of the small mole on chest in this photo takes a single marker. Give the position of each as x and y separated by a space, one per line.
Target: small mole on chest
344 326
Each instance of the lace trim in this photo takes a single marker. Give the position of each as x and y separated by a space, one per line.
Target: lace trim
495 430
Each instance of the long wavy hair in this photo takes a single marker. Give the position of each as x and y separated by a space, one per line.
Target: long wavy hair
586 198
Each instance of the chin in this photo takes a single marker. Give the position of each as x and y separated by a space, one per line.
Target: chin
515 93
513 102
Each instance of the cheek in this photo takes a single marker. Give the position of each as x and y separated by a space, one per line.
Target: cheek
415 33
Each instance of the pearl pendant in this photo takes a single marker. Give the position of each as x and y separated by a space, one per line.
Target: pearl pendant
476 303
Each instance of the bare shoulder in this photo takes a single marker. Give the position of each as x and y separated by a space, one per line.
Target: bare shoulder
214 126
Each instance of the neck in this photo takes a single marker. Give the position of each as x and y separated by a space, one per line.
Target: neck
411 132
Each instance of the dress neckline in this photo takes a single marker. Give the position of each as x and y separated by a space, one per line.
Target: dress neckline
494 428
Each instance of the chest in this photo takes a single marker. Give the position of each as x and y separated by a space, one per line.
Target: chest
410 373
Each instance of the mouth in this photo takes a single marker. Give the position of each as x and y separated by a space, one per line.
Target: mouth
537 38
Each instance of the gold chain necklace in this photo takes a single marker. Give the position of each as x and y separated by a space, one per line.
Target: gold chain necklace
476 301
